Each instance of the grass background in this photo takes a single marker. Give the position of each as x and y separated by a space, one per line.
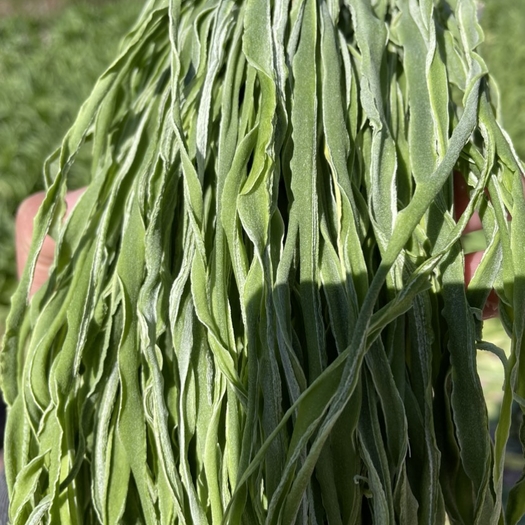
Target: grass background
52 51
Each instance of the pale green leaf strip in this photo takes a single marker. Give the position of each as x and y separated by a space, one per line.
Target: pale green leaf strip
375 456
35 377
343 311
220 265
496 194
421 137
211 459
162 436
379 502
229 217
486 274
119 472
199 34
39 512
505 416
233 434
325 474
382 194
337 149
131 423
371 38
254 201
192 190
487 346
468 404
405 503
248 113
26 485
391 403
294 373
304 185
15 450
427 190
51 439
148 306
271 390
103 449
516 505
346 459
518 252
179 284
279 23
201 294
421 380
437 80
64 364
223 20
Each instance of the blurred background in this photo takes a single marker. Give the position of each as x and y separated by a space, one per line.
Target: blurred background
51 53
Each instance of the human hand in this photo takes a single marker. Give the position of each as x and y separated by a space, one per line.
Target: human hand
29 207
24 232
472 260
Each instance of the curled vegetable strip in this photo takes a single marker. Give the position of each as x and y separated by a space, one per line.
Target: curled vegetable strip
256 312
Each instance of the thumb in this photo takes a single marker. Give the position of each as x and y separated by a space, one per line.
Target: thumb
24 226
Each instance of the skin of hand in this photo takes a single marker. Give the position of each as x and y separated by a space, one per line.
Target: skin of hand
24 232
472 260
29 207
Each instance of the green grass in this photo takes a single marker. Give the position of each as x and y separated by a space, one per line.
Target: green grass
48 65
504 52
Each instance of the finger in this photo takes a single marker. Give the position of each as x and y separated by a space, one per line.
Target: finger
461 201
24 232
472 261
24 226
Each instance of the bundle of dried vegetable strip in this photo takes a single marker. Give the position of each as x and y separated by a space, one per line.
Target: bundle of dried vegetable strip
257 310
